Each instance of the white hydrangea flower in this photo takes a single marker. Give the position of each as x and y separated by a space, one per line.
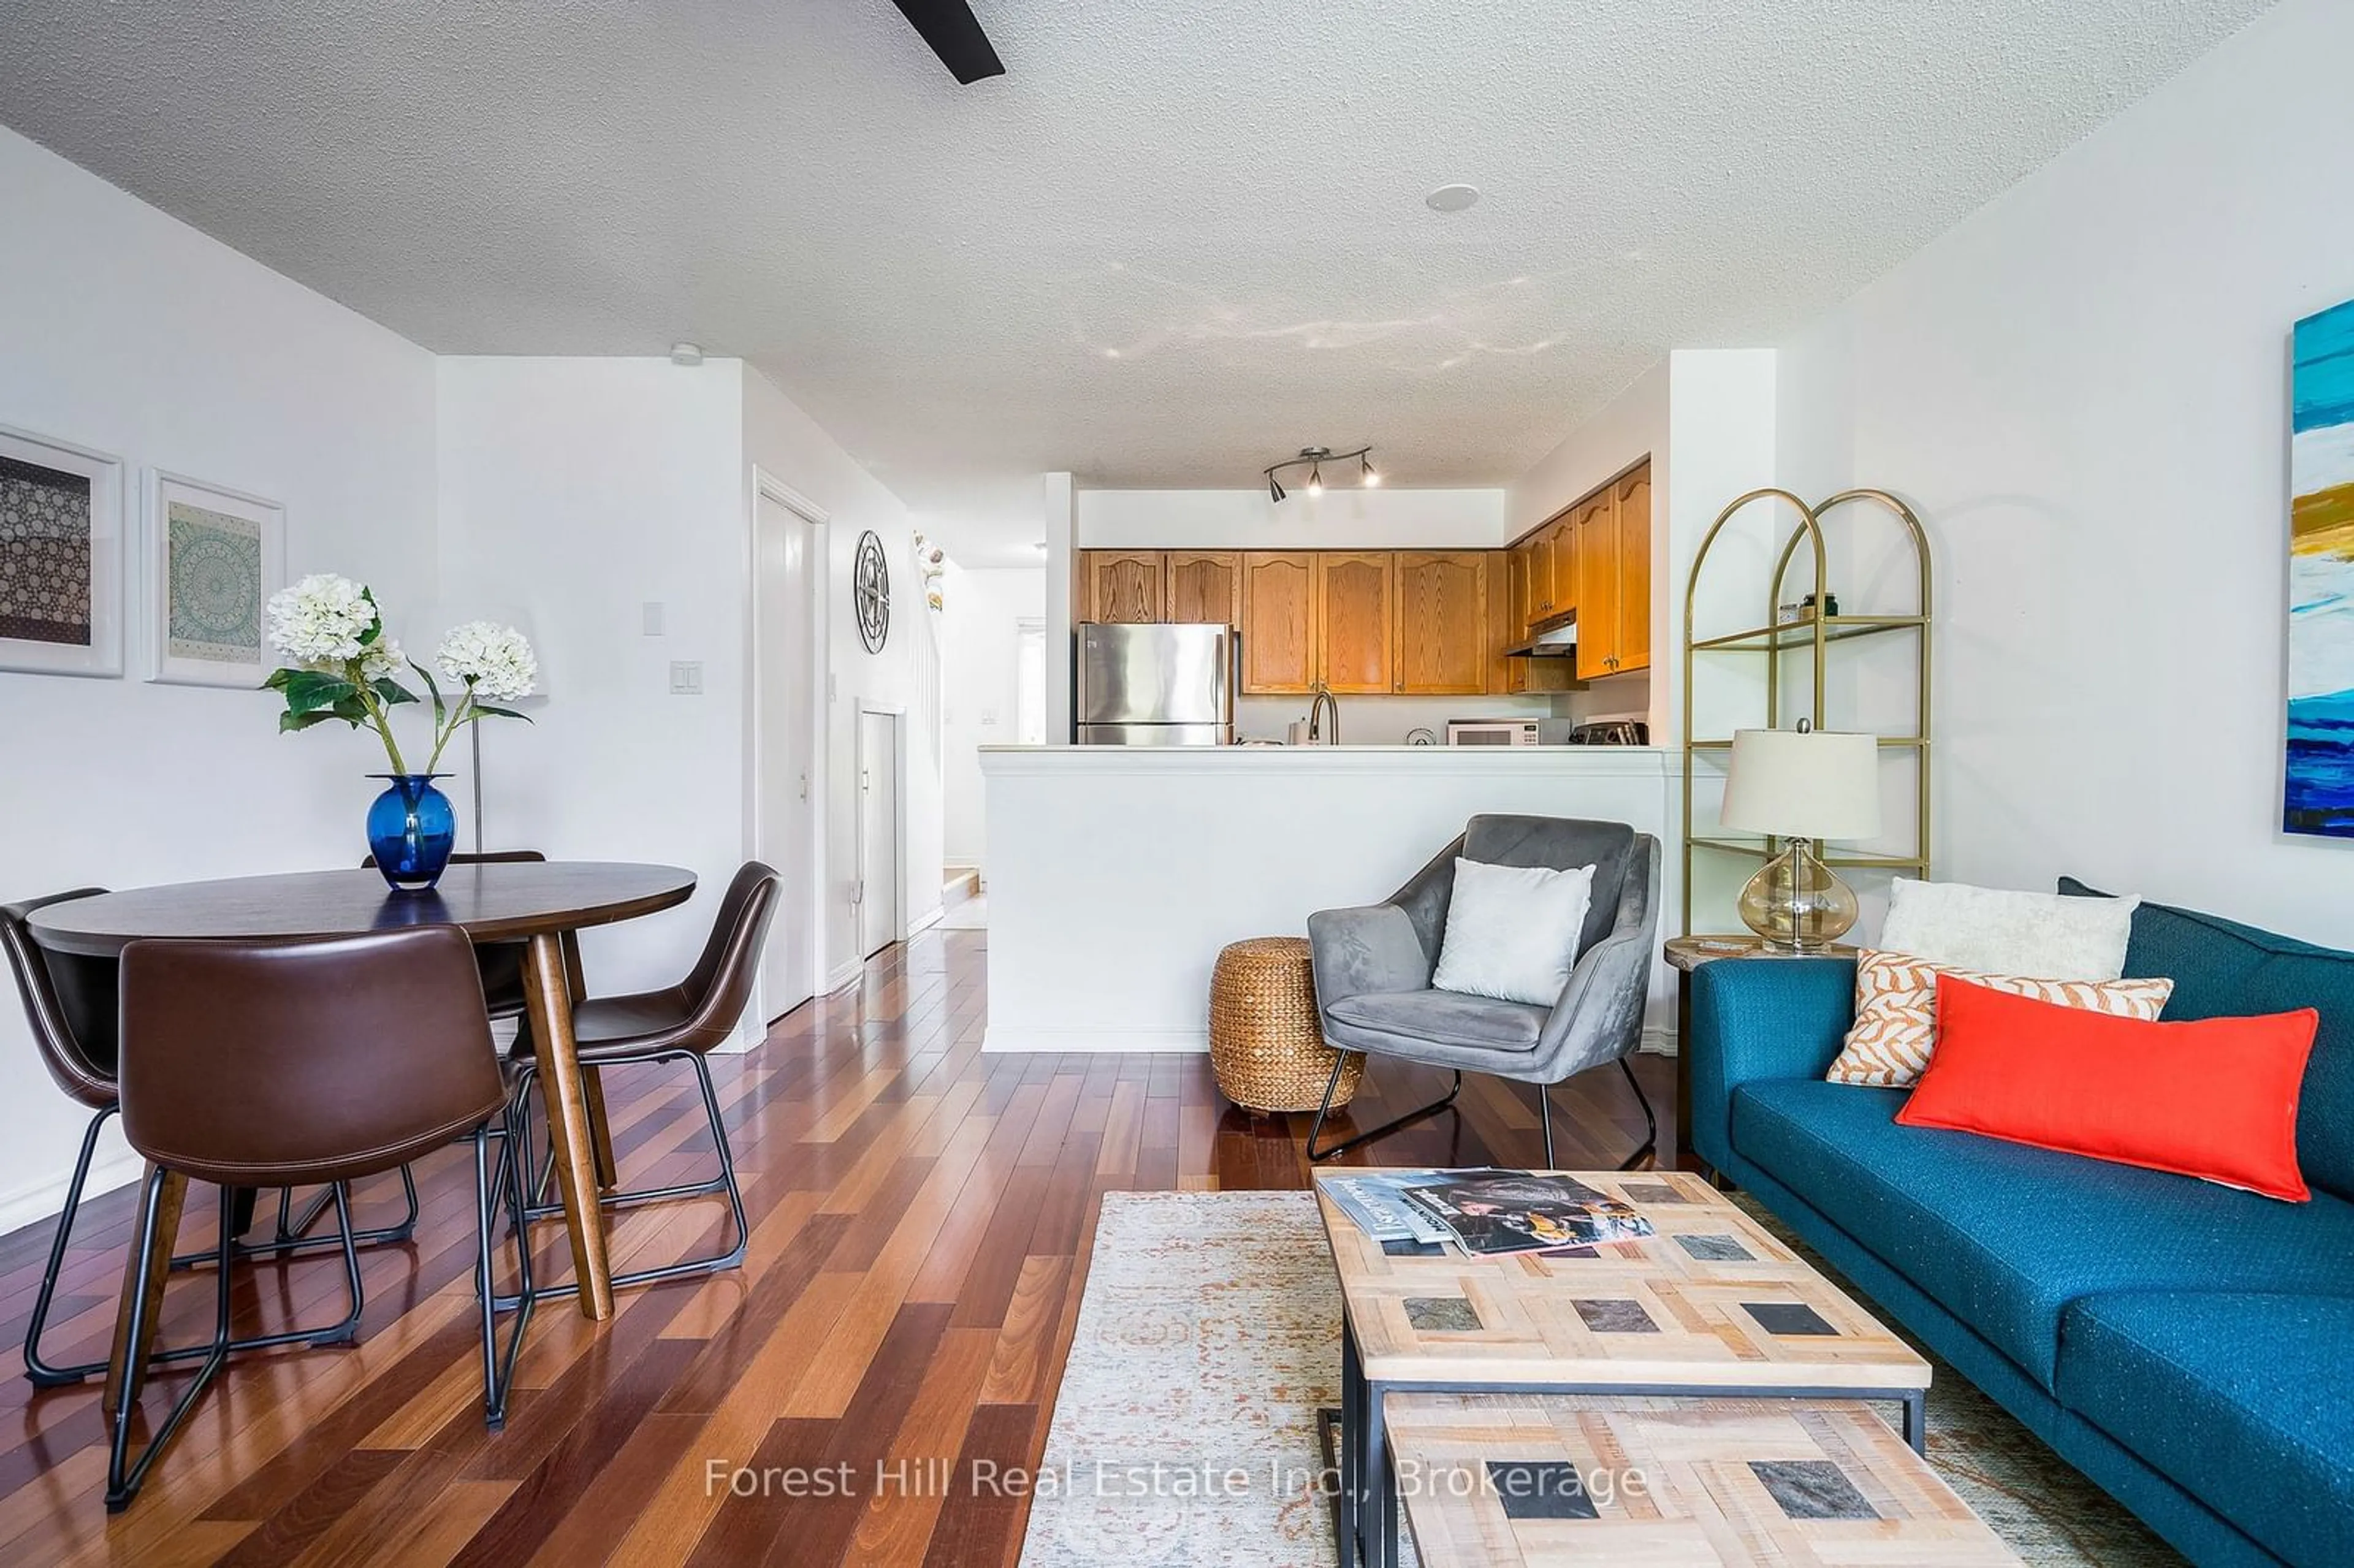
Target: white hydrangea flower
495 661
318 622
383 660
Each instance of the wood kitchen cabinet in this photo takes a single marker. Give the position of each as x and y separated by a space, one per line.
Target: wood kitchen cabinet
1356 617
1595 551
1443 639
1561 598
1539 552
1634 510
1129 586
1206 587
1594 558
1279 628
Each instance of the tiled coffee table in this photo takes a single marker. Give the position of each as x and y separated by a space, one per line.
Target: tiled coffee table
1711 1306
1707 1483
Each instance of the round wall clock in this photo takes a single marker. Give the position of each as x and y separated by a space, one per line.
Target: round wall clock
870 592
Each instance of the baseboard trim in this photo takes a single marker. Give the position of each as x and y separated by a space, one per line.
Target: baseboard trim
925 922
844 974
41 1200
1010 1039
1659 1041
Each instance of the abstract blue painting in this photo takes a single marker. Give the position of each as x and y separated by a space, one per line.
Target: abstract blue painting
2320 774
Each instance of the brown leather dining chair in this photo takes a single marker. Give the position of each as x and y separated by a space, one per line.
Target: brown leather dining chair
70 1002
284 1063
685 1020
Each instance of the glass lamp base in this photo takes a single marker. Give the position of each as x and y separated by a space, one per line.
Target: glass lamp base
1796 904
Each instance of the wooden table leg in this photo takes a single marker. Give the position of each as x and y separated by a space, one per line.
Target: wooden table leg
549 997
126 1355
601 1131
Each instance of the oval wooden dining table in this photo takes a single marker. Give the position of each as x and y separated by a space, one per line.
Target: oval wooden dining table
537 903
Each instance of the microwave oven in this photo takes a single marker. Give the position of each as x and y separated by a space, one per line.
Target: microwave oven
1508 732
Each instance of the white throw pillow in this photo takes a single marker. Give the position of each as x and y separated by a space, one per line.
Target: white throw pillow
2038 936
1512 931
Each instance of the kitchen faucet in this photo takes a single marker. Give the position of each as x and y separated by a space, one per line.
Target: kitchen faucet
1323 700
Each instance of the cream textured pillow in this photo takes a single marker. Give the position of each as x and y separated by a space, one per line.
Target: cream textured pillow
2038 934
1512 931
1896 1012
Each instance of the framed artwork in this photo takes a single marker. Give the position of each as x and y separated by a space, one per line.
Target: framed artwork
2318 790
60 557
214 557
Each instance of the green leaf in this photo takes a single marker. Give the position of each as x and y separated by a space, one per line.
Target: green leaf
309 689
391 692
290 722
376 629
484 710
351 710
441 709
277 681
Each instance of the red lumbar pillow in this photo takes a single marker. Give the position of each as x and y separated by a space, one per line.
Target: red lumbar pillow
2214 1098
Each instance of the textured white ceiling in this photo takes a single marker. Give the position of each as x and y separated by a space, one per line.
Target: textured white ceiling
1175 241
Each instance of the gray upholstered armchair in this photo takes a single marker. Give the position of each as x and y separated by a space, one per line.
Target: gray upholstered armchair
1373 967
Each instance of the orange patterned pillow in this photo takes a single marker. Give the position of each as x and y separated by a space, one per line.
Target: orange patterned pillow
1896 1012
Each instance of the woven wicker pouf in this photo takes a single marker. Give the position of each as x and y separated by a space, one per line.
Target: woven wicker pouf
1266 1046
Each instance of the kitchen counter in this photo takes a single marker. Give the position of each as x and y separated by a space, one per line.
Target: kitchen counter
1116 874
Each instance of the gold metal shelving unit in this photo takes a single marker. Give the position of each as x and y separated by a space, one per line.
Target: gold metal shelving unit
1811 639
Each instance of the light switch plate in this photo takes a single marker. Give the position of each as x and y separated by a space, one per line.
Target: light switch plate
687 677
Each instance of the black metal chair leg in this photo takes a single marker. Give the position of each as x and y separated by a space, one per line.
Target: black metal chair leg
1650 1122
42 1373
293 1237
125 1476
1325 1110
345 1332
722 1182
1544 1115
498 1369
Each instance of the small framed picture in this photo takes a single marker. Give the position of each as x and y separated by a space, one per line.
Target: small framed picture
214 557
61 558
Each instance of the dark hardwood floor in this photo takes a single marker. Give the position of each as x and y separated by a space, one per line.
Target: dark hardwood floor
921 1215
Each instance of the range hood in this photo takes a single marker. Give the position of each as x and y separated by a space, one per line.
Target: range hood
1558 641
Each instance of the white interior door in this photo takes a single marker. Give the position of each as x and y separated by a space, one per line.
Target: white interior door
879 877
785 546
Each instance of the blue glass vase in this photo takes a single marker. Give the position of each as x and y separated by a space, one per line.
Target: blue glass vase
411 831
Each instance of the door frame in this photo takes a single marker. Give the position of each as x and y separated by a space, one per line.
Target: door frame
768 486
897 713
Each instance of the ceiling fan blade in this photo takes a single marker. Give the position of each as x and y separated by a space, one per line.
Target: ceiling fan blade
949 25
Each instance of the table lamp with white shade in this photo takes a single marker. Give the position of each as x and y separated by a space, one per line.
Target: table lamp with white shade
1803 786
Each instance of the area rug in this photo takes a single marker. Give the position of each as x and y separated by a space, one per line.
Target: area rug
1187 1429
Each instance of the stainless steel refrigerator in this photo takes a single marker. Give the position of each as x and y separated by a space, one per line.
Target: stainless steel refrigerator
1155 686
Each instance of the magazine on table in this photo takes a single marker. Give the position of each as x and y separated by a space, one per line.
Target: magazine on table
1376 1201
1516 1212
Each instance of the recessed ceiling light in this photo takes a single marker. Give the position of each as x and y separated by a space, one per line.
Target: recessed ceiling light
1451 198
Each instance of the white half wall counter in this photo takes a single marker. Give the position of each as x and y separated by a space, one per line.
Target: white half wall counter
1116 874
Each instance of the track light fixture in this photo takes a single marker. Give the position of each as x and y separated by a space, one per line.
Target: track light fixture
1314 459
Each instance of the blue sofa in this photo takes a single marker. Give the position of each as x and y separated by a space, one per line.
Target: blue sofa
2189 1347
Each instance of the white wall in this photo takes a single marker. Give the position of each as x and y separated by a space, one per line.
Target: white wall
2082 390
1346 517
578 490
1245 842
125 330
781 439
978 638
